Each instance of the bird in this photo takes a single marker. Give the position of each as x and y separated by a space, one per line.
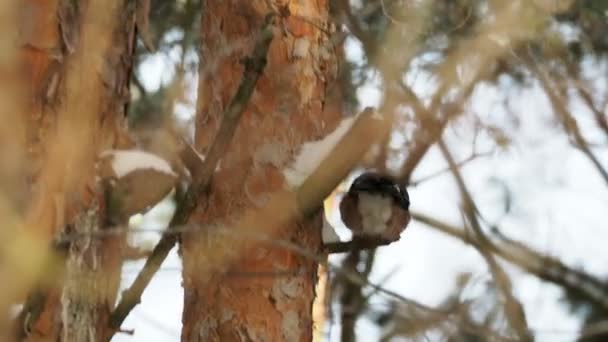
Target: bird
375 206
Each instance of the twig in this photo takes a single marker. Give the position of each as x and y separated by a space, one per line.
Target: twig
254 67
431 127
515 313
352 299
585 94
600 118
135 253
565 116
460 164
353 277
544 267
356 244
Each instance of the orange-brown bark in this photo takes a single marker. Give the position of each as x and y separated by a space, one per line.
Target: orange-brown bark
268 294
77 57
12 149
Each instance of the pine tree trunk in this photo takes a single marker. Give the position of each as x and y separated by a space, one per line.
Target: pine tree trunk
78 56
267 294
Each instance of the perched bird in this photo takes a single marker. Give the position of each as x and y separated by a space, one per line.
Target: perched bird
375 206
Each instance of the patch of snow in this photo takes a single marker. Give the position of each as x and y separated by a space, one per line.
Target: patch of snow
313 153
127 161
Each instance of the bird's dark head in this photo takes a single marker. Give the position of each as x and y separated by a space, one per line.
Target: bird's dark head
375 183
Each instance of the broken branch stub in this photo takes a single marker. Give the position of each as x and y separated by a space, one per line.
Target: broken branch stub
369 128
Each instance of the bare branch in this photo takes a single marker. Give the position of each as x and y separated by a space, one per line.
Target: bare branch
600 118
515 313
544 267
460 164
352 300
355 244
566 118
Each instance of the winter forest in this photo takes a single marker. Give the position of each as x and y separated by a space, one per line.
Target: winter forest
303 170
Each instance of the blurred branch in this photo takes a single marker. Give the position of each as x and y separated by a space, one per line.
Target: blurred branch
600 118
135 253
409 327
431 127
515 312
353 277
424 315
565 117
475 155
254 67
594 329
544 267
456 315
352 300
485 51
355 244
354 25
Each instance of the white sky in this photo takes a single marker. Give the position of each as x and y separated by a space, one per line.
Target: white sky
559 202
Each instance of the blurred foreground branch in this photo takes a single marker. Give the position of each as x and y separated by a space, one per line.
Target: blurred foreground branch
515 312
544 267
558 99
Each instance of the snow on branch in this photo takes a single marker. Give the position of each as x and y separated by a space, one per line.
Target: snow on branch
340 152
313 153
124 162
137 180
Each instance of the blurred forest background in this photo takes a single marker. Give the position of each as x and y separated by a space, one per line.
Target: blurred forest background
500 131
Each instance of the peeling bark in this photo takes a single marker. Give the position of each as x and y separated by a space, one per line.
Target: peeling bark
79 57
287 109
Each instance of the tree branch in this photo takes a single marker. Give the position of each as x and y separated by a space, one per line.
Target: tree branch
544 267
352 300
560 107
460 164
356 244
515 313
600 118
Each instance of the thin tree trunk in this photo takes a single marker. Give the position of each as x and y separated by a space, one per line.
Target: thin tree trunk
268 294
78 54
